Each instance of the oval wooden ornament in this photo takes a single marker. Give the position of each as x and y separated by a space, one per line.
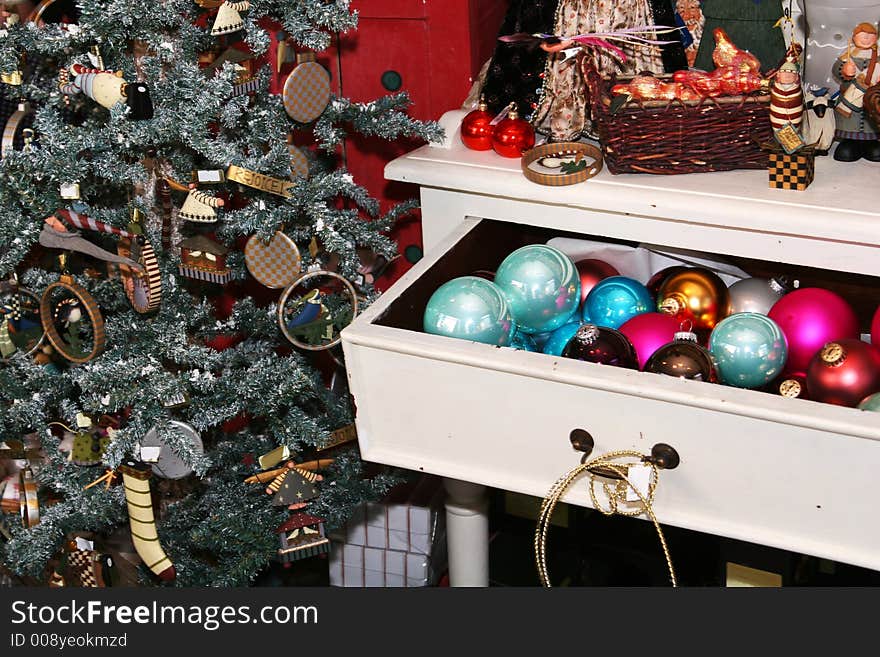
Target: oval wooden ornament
275 264
144 288
90 306
299 164
306 92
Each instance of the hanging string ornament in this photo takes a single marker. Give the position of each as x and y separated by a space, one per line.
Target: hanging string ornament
143 286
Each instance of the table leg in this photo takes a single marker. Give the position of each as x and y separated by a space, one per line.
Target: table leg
467 533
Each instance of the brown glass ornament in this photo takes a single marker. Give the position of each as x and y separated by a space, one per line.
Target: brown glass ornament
792 386
844 372
603 345
684 358
695 294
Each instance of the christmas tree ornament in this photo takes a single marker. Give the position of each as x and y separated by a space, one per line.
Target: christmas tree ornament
21 331
299 163
756 295
259 181
684 358
166 463
228 19
657 279
29 505
786 94
136 481
809 318
470 308
541 285
696 295
107 88
140 104
293 488
276 263
88 444
143 286
648 332
875 328
523 341
301 536
56 235
203 259
844 372
13 132
558 339
72 321
591 271
615 300
84 566
199 207
513 136
477 128
602 345
749 350
306 90
870 403
792 386
564 163
314 309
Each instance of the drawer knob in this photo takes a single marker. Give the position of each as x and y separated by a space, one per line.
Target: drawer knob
664 456
582 441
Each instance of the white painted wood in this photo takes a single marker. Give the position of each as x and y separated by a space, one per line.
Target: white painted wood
791 474
467 533
833 224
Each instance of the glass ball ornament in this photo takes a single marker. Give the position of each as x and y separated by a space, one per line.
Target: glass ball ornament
749 350
696 295
648 332
756 295
657 279
615 300
875 328
844 372
792 386
477 128
513 136
591 271
603 345
871 403
559 338
541 285
684 358
523 341
811 317
470 308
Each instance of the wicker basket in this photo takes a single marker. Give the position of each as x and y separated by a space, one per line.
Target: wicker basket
668 137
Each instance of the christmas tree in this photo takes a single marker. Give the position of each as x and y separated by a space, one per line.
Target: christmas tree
171 152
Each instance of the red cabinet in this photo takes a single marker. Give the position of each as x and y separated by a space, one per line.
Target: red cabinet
433 50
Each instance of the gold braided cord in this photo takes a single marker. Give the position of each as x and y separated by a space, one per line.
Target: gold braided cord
616 494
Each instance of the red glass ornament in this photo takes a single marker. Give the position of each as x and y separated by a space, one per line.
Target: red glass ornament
591 272
875 328
513 136
477 128
844 372
603 345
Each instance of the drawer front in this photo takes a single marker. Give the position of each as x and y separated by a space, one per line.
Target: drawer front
790 474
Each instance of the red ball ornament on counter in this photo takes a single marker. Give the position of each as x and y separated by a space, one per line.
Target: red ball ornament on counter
844 372
477 128
513 136
591 272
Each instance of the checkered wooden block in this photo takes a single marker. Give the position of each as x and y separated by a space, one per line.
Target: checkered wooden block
306 92
275 264
793 171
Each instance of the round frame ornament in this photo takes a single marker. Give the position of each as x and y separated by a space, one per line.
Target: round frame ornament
311 315
20 308
76 296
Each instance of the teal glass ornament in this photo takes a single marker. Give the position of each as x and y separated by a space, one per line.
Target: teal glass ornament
615 300
749 350
871 403
560 337
470 308
523 341
542 286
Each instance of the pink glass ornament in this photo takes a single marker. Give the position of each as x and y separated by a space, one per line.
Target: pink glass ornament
648 332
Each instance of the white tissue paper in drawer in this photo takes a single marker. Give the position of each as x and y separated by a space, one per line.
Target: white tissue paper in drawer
644 261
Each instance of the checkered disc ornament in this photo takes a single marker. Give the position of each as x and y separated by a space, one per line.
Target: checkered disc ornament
306 92
275 264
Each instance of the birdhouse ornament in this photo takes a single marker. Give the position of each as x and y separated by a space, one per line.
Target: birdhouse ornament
302 536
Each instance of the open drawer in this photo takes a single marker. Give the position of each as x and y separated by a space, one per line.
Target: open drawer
788 473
